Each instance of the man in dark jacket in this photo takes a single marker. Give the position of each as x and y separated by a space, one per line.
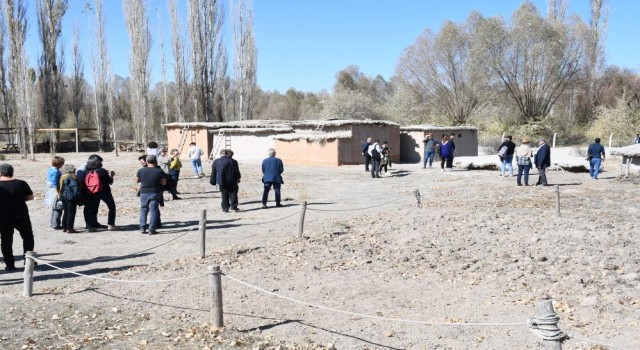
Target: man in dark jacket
365 153
223 174
272 169
542 162
506 155
596 155
152 181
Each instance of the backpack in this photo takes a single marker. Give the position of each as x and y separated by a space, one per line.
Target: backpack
502 152
71 190
375 154
92 182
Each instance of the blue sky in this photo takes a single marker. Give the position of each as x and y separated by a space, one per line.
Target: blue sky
304 43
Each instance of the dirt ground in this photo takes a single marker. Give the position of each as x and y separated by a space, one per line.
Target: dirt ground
388 274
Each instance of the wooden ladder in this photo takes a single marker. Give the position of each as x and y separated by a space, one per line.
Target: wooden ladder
183 138
219 139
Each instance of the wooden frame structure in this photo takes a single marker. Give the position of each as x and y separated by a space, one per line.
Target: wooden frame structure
77 130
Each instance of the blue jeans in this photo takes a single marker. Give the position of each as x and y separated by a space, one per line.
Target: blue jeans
276 189
197 166
428 157
523 169
594 167
149 204
175 176
507 161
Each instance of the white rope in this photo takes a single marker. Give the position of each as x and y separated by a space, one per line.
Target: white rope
363 208
546 327
113 279
372 316
571 336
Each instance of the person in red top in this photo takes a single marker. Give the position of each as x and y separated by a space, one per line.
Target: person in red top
14 214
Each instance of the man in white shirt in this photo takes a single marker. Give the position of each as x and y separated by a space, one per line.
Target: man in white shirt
194 154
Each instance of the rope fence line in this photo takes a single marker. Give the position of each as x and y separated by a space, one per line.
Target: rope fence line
272 221
366 315
363 208
134 253
571 336
114 279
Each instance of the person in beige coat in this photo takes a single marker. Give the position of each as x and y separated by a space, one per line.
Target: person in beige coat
523 159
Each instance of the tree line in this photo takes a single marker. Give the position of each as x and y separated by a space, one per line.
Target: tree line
532 74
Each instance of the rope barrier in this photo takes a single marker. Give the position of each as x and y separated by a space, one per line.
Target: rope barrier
372 316
546 327
571 336
269 222
364 208
113 279
134 253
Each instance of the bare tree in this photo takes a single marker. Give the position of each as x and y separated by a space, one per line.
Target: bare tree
4 92
50 13
535 59
165 102
137 18
180 73
205 28
101 67
441 71
245 61
76 100
21 77
557 9
598 18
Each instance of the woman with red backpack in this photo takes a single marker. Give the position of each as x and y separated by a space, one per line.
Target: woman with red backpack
97 188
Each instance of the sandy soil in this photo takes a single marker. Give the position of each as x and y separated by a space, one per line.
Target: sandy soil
479 250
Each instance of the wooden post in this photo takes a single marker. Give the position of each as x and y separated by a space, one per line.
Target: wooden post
216 297
610 140
418 197
557 200
544 308
28 274
302 213
628 166
77 142
554 139
203 232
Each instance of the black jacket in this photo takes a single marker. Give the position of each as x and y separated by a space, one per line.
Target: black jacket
511 147
223 172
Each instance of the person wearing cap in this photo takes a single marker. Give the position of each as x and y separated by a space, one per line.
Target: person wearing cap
68 207
429 150
15 214
595 154
523 159
506 161
542 161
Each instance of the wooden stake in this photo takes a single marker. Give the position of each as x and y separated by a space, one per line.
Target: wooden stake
203 232
301 224
628 166
557 200
216 296
544 308
28 274
77 142
554 139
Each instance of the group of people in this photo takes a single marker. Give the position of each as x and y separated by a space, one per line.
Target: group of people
524 154
88 185
445 149
225 174
377 158
541 160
